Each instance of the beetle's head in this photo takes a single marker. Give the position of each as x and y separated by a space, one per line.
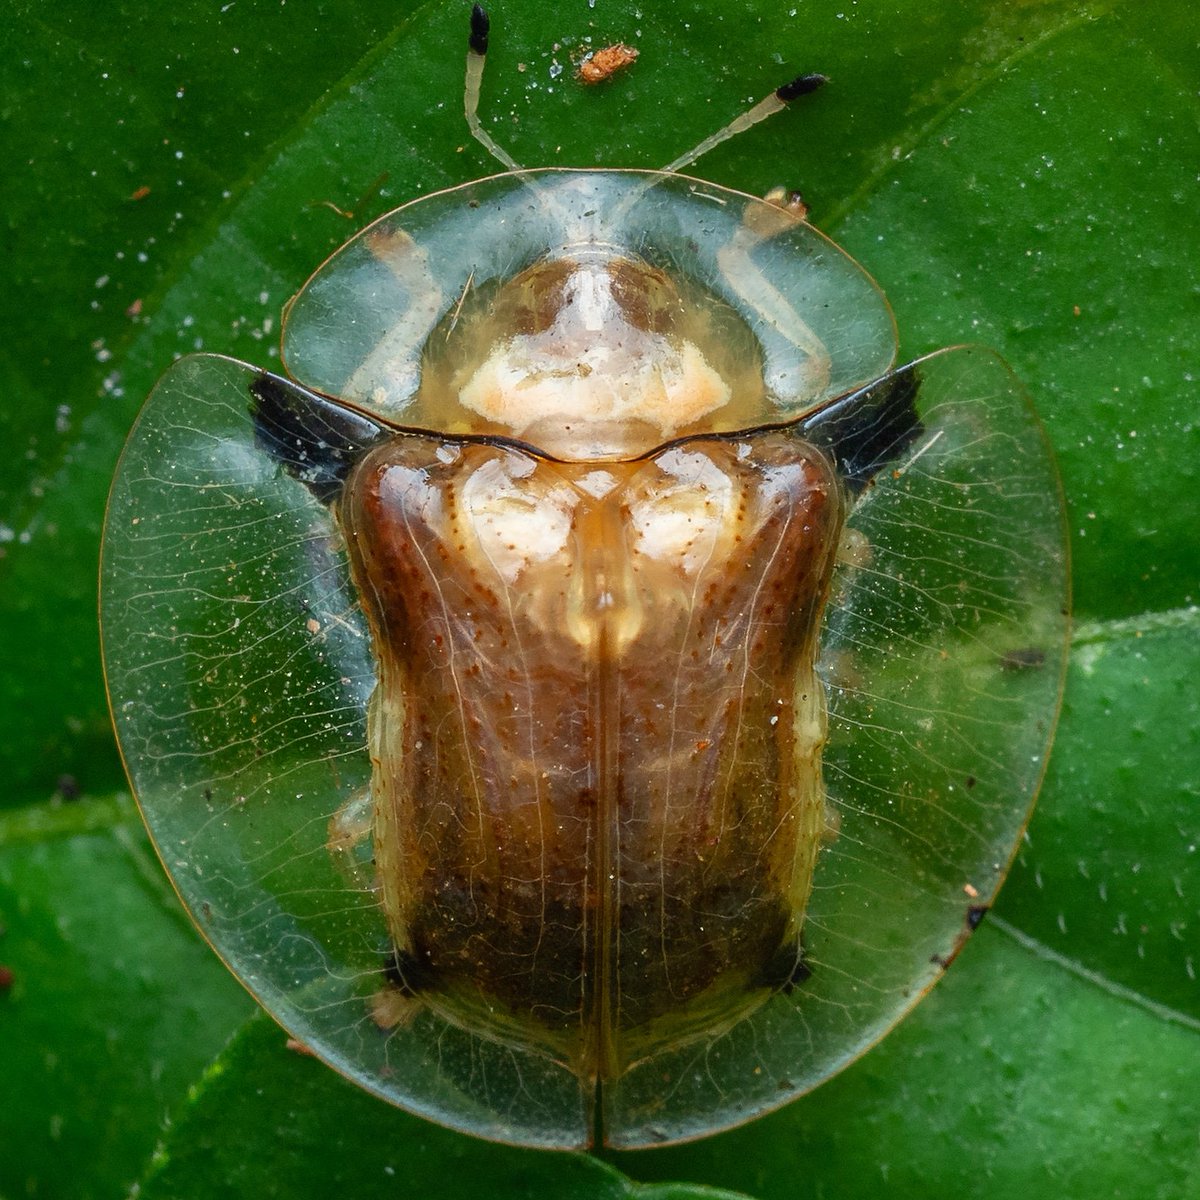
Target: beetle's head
591 353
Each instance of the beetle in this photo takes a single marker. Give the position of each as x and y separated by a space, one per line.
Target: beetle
575 697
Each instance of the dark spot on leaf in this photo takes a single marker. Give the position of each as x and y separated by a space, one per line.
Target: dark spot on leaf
1026 659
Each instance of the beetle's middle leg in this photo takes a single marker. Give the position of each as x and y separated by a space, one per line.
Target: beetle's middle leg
349 840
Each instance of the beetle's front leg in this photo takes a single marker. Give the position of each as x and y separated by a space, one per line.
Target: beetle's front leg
391 371
780 211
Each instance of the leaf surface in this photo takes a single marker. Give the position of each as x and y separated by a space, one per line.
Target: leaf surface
1021 176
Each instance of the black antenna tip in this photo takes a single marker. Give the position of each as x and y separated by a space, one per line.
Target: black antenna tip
801 86
480 24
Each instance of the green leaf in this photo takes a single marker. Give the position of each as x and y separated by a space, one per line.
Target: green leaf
1017 175
114 1005
1110 875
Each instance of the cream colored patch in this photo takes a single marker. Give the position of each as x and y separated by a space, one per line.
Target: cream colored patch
597 484
685 520
667 387
517 526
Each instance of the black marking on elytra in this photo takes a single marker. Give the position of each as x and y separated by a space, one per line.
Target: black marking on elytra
480 24
314 439
408 973
870 429
801 973
786 970
802 85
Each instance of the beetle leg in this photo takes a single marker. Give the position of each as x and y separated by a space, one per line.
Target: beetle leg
349 841
392 1009
763 222
393 1006
791 202
390 372
761 299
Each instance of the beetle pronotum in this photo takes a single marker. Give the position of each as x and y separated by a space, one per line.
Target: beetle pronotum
579 693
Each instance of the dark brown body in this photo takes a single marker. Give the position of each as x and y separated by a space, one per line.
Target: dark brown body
596 733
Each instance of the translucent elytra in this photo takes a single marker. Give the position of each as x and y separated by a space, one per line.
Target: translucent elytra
528 749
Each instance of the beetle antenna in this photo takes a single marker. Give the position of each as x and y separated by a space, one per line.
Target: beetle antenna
477 47
778 100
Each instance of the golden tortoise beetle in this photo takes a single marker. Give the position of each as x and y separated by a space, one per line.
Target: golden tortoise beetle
578 697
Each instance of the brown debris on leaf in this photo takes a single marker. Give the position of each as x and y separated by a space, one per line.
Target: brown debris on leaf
603 64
